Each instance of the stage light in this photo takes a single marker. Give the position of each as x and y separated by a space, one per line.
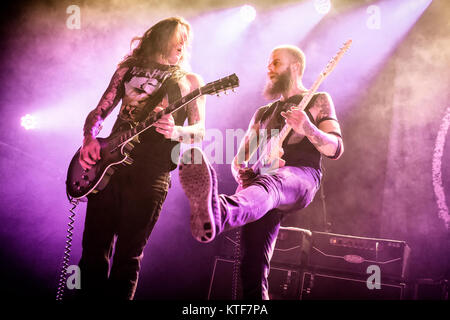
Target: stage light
29 122
248 13
322 6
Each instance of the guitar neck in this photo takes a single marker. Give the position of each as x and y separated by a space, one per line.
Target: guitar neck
171 108
141 127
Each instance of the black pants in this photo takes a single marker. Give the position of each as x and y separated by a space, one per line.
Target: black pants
124 213
257 243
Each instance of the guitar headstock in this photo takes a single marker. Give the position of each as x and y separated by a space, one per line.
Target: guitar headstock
215 87
333 62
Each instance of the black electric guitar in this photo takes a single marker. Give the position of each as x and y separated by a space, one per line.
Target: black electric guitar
116 148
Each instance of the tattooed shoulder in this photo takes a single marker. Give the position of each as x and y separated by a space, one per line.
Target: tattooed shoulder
113 93
324 106
193 81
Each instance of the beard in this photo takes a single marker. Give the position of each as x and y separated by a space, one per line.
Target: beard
282 83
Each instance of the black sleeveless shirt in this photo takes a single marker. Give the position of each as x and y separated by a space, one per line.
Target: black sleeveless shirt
298 151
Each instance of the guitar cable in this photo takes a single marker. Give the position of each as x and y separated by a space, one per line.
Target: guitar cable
325 222
65 264
236 264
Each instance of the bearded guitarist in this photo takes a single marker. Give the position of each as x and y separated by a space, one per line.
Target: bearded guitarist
129 206
264 198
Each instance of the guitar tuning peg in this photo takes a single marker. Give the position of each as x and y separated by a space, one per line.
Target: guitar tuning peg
218 95
225 92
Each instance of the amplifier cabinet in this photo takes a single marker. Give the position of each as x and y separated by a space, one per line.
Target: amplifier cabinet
327 286
350 254
284 283
291 251
224 285
292 247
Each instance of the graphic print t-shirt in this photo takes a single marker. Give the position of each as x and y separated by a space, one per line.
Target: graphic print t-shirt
139 86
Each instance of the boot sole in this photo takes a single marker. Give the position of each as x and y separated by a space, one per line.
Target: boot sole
197 182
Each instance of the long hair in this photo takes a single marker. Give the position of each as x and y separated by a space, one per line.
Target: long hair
154 42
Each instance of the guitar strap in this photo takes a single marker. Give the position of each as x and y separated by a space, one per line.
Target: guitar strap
308 106
270 117
170 87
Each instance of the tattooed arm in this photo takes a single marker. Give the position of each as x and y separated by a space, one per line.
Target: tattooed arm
90 151
108 101
195 130
326 136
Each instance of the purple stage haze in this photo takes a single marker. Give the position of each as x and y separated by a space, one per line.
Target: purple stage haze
391 92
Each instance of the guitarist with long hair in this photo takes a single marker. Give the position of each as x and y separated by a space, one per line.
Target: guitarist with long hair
264 197
129 206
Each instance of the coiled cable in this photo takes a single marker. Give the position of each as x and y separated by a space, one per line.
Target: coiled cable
236 264
65 264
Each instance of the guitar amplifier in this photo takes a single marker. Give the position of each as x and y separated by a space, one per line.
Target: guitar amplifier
350 254
292 247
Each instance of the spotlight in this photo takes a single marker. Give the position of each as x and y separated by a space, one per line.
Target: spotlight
248 13
322 6
29 122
